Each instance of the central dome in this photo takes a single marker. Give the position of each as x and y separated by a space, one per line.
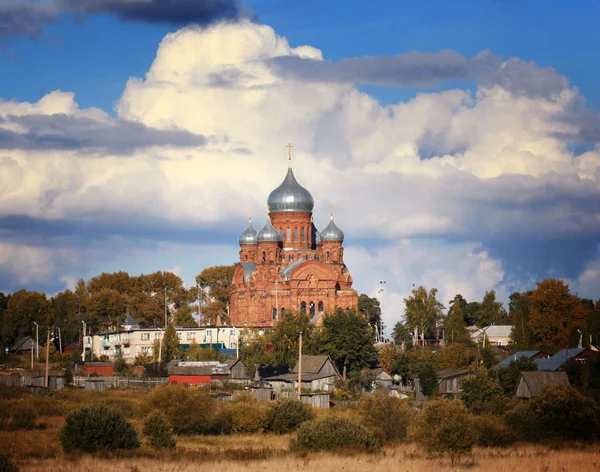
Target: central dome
290 196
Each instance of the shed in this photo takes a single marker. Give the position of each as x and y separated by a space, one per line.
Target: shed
197 372
262 391
98 368
531 384
383 379
24 346
238 371
448 381
318 374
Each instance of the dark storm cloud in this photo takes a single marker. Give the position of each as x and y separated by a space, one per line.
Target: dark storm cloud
175 12
44 132
23 18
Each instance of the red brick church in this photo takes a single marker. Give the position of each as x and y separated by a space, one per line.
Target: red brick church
289 264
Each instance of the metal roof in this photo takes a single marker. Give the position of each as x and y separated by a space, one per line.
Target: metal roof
290 196
312 364
287 271
537 382
517 355
249 268
494 331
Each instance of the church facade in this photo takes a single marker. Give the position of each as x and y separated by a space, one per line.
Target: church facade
288 265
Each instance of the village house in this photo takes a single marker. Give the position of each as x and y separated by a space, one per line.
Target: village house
493 335
532 355
24 346
206 372
556 362
531 384
448 383
265 371
318 374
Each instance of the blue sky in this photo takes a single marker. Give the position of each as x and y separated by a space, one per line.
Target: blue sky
459 169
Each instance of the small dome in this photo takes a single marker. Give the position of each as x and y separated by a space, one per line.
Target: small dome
332 232
268 233
249 235
290 196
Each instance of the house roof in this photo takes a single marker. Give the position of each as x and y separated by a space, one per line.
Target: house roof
494 331
25 344
306 377
538 381
266 371
448 373
198 368
312 364
558 359
517 355
130 321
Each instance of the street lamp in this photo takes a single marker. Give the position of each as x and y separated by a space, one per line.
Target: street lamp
37 341
160 346
382 284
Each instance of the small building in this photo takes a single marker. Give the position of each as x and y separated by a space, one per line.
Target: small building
197 372
556 362
24 346
494 335
99 368
448 381
265 371
532 355
531 384
383 379
318 374
238 371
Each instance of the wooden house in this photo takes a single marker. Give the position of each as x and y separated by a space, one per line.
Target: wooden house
531 384
318 374
532 355
558 360
99 368
383 379
448 381
24 346
238 371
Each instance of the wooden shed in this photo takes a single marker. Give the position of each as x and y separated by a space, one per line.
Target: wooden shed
448 381
531 384
238 371
99 368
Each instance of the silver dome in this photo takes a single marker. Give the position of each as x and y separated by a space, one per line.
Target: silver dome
290 196
332 232
249 235
268 233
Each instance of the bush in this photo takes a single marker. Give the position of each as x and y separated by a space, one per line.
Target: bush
189 411
446 428
17 414
386 415
482 393
159 432
557 412
332 433
286 416
247 415
493 432
97 427
6 465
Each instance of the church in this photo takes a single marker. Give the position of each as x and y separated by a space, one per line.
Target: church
288 264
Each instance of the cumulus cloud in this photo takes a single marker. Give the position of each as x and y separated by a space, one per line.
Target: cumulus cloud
464 166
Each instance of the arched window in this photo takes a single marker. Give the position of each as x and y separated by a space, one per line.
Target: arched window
317 257
281 232
303 307
327 257
302 235
282 311
291 258
274 314
283 258
246 257
295 234
312 308
264 256
321 307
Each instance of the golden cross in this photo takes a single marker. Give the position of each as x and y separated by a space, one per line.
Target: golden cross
331 211
289 146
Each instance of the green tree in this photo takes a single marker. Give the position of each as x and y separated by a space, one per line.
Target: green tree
490 312
518 311
170 345
468 309
348 340
554 314
65 309
159 432
481 392
217 281
285 337
455 356
106 307
256 350
454 326
198 353
22 310
401 335
184 317
422 311
370 308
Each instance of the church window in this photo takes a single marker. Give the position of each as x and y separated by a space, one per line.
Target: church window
302 235
289 234
282 234
283 258
295 234
246 257
291 258
327 257
320 307
282 311
303 307
317 257
274 314
264 256
312 308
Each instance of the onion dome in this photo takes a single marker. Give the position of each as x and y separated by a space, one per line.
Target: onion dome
332 232
268 233
249 235
290 196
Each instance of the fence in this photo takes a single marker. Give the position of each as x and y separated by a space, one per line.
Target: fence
116 382
317 400
35 380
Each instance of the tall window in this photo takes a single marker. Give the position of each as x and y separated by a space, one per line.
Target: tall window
291 257
274 314
320 307
296 234
327 258
282 311
246 257
264 256
303 307
312 308
289 234
302 235
282 234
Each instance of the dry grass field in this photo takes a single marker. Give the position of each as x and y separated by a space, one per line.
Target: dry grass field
40 449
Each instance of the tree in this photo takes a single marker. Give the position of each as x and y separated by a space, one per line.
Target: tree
481 392
158 431
65 309
518 311
197 353
256 350
184 317
170 345
554 314
468 309
348 339
490 312
401 335
454 326
106 307
455 356
422 311
217 280
370 308
509 376
22 310
286 335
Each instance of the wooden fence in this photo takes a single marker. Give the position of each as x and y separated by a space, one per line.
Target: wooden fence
317 400
116 382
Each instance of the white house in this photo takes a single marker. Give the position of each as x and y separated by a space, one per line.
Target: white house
495 335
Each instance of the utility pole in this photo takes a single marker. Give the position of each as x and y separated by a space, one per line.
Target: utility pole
83 342
383 284
276 301
47 355
199 301
32 354
37 341
59 341
300 367
166 321
160 346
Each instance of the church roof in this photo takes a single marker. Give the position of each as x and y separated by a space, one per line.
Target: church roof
248 267
332 232
249 234
290 196
268 233
287 271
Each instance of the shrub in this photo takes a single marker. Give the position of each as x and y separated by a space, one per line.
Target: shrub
557 412
190 411
68 376
6 465
509 376
446 428
248 415
159 432
388 415
493 431
286 416
482 393
332 433
17 414
97 427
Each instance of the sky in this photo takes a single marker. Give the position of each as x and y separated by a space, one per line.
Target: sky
456 141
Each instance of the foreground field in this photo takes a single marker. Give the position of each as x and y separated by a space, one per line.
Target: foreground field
399 458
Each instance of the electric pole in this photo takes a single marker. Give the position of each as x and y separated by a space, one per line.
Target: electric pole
300 367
